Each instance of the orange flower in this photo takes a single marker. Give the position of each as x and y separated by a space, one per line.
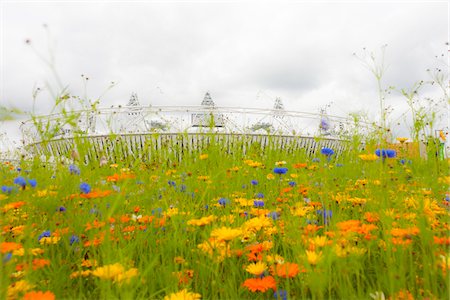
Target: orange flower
299 165
96 194
39 295
441 241
286 270
40 263
260 284
9 247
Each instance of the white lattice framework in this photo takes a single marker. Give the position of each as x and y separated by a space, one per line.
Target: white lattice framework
137 125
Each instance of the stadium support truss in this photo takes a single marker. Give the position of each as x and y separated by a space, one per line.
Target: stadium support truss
135 131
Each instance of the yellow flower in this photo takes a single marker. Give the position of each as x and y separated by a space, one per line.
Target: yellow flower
257 268
313 257
278 259
402 139
109 271
203 156
319 241
368 157
49 240
226 233
20 286
202 221
280 163
255 224
183 295
270 176
3 197
126 276
80 274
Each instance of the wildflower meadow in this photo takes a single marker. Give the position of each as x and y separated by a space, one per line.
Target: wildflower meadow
366 223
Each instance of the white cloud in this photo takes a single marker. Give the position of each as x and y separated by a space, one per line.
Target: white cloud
172 53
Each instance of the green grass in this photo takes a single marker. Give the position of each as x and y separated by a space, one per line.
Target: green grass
402 255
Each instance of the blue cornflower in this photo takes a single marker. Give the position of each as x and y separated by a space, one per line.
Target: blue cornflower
254 182
389 153
326 214
292 183
74 239
223 201
7 189
20 181
32 182
280 294
274 215
74 170
259 195
172 183
258 203
324 124
327 151
280 171
61 209
316 159
46 233
85 188
7 257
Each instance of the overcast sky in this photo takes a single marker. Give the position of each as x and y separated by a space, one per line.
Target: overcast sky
244 54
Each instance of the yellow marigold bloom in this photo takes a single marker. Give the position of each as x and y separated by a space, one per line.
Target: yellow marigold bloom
203 156
126 276
257 268
402 139
368 157
202 221
255 224
320 241
20 286
270 176
293 175
356 200
89 263
313 257
109 271
80 274
183 295
280 163
244 201
49 240
278 259
19 252
226 233
300 211
171 211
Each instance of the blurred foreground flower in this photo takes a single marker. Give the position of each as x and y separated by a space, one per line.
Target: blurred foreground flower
280 171
389 153
183 295
368 157
260 284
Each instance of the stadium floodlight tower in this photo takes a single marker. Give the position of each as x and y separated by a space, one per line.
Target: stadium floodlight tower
207 117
